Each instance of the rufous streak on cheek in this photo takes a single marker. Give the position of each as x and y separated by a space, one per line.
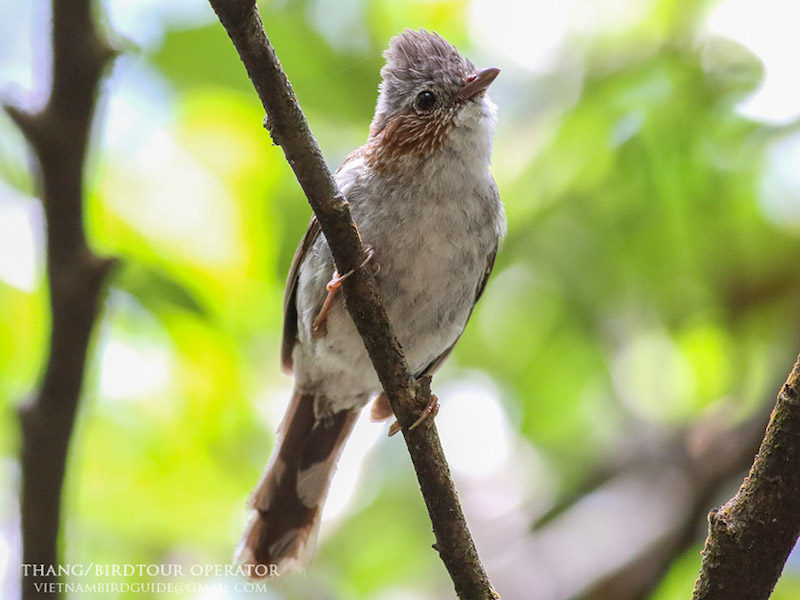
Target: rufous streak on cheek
406 136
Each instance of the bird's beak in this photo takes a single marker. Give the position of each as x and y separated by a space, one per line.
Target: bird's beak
477 83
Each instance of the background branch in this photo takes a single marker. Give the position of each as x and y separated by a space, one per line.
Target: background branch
751 536
704 458
59 136
407 397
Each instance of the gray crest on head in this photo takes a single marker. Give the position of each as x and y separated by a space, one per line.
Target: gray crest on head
414 60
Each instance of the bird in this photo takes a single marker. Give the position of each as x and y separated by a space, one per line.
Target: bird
424 200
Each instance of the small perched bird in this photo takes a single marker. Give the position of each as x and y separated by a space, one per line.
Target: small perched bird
423 198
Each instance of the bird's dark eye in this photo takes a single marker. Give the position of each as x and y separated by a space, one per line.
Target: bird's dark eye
426 99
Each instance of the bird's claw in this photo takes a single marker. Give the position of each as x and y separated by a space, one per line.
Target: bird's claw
319 326
430 411
336 281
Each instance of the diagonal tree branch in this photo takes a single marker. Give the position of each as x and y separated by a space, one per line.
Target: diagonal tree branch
751 536
407 397
59 136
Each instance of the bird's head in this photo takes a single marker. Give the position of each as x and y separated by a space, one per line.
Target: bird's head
431 98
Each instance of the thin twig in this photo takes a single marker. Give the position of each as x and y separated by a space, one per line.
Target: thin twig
59 136
407 397
751 536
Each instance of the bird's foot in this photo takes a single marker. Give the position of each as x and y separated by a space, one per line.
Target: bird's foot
319 327
430 411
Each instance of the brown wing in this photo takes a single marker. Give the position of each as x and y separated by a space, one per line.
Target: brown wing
290 296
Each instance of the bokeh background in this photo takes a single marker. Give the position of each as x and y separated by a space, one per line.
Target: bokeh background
644 310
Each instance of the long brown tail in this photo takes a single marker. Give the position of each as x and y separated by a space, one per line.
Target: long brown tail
287 502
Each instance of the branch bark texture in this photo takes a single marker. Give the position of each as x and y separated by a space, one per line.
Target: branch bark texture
751 536
407 396
59 135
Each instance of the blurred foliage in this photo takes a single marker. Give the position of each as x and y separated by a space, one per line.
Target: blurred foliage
645 281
